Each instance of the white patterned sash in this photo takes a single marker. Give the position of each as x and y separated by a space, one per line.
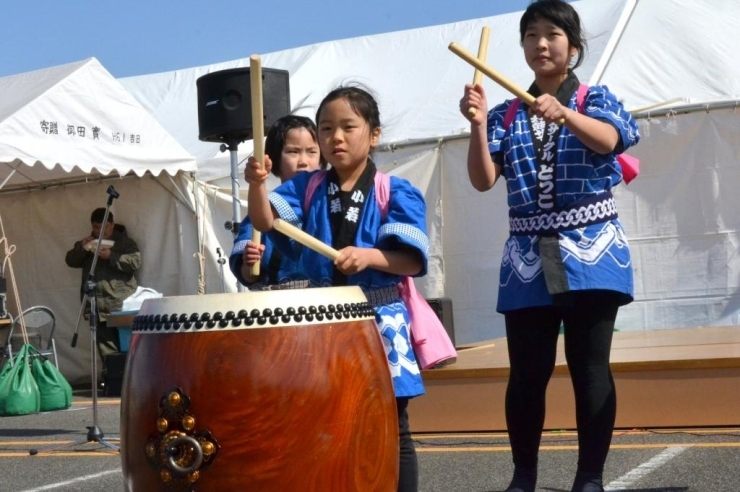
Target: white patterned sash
593 210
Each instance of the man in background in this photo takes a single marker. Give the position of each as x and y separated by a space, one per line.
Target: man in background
118 260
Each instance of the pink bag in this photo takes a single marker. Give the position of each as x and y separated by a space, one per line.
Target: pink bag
429 339
431 343
630 165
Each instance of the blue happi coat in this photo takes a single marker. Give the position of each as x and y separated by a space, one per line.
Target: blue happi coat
594 257
404 225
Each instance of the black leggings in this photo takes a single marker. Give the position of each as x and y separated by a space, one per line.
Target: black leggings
532 335
408 476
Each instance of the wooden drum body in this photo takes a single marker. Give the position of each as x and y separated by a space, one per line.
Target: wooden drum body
267 391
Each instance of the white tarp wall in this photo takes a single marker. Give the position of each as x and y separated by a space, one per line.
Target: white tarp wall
681 216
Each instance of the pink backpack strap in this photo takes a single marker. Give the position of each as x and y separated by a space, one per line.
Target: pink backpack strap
581 94
382 192
313 182
511 113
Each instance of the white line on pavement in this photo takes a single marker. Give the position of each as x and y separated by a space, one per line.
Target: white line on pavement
75 480
632 477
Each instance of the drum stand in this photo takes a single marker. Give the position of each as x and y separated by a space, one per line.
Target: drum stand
94 434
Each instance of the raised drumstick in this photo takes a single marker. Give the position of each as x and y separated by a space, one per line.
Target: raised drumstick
495 76
482 50
258 131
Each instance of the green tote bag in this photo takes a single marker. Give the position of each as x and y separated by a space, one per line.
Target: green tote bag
19 393
54 390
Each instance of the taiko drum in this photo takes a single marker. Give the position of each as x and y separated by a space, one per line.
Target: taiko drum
285 390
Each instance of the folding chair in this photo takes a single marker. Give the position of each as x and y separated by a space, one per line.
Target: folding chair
40 323
4 337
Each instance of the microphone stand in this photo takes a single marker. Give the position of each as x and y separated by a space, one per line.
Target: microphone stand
94 433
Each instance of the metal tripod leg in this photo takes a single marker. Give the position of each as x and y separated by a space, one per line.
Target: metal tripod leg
94 434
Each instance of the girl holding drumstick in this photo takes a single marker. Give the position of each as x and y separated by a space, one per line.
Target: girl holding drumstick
556 270
292 144
376 248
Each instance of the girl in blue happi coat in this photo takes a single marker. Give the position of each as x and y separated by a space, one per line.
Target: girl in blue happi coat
376 249
567 260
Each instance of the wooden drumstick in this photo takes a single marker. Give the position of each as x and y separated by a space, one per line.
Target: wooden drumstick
495 76
482 50
258 131
305 239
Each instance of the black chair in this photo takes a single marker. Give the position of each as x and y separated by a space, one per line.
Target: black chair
7 322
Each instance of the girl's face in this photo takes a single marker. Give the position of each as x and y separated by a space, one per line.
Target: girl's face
344 136
547 49
300 153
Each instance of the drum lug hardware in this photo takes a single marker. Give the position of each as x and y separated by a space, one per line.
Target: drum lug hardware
178 451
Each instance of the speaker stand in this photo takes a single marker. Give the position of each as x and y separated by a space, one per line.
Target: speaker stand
236 221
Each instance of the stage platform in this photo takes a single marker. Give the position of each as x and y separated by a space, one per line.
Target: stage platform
687 377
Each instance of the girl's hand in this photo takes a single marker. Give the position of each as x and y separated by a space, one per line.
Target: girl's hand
474 97
252 253
548 107
353 259
253 172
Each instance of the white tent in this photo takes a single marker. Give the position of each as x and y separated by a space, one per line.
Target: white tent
76 120
66 134
649 53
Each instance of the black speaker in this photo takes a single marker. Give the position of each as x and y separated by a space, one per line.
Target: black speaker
442 307
225 105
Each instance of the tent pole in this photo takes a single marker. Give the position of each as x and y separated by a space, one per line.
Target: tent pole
8 178
619 29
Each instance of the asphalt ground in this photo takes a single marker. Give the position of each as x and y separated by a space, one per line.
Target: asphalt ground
641 460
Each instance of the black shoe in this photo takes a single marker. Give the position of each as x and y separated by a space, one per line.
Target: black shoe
524 480
587 482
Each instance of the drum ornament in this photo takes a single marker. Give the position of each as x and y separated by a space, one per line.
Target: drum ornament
177 451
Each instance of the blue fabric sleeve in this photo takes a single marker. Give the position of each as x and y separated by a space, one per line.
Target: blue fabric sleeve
406 221
603 105
287 200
